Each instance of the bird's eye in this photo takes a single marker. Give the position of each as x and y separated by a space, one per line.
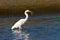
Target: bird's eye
28 12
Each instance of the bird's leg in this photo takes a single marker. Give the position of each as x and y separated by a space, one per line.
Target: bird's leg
20 27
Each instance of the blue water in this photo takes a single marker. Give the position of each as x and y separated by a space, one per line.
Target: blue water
43 30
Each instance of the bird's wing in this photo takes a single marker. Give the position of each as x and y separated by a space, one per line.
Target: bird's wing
21 21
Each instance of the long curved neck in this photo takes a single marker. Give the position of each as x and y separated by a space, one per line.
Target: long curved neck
26 16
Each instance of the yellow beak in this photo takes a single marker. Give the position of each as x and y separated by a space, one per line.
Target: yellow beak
31 12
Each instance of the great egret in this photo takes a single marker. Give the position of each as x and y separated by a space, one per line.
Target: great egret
19 23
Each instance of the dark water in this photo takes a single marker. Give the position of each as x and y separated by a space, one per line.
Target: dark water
48 29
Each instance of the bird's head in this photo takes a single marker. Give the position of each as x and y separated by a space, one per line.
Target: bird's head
28 11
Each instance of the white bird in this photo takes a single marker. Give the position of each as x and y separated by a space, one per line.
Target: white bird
19 23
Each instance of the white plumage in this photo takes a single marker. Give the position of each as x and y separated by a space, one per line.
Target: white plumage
19 23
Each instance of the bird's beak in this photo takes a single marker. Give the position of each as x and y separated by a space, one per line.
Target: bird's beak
31 12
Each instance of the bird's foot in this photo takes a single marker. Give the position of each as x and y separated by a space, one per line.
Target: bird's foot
20 28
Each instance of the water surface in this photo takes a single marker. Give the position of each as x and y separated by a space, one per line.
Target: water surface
40 27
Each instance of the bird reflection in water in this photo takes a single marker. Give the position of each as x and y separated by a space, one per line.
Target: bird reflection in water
20 35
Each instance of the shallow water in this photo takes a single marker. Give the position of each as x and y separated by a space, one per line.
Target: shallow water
41 27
